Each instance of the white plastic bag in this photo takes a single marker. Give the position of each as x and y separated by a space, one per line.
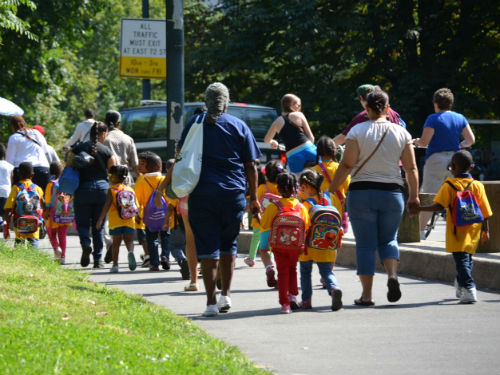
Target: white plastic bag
187 168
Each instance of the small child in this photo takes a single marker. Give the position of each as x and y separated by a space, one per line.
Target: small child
140 228
310 183
462 241
286 259
144 188
121 215
5 184
56 231
272 170
33 194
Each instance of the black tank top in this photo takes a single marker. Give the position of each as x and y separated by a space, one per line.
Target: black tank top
291 135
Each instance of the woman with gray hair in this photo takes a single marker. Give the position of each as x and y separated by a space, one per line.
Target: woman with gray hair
217 204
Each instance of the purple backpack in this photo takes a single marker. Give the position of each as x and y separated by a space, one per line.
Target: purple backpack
154 217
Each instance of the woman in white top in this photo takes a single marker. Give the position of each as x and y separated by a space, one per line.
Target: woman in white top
28 145
375 200
5 180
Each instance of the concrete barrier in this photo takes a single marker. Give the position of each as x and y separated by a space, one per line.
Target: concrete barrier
493 193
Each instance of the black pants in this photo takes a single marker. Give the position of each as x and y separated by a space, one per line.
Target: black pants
41 177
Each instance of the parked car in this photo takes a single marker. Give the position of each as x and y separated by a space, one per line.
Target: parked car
147 125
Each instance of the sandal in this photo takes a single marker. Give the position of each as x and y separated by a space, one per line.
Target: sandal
360 302
192 287
394 293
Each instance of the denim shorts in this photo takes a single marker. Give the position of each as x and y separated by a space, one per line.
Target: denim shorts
119 231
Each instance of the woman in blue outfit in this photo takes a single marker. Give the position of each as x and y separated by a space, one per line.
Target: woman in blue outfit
91 193
217 204
294 131
375 200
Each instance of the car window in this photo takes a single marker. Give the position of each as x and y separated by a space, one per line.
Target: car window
237 112
137 123
259 121
160 124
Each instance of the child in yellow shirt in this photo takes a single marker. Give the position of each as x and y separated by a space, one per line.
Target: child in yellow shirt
310 183
57 230
121 205
462 241
286 259
33 208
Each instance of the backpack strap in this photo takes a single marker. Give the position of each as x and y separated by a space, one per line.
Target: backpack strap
267 187
312 201
325 172
279 205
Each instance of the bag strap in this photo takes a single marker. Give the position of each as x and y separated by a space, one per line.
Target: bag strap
267 187
149 183
373 152
454 188
28 137
325 172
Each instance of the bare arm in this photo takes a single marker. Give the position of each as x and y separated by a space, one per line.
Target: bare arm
349 160
161 188
410 167
105 209
425 138
111 162
432 208
273 130
469 138
251 173
339 139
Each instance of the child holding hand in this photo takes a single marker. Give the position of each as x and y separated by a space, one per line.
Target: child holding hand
286 257
121 215
463 240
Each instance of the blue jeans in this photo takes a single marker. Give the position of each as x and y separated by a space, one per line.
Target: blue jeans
464 264
375 216
325 270
152 242
32 241
89 201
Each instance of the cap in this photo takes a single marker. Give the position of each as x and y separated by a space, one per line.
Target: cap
364 90
40 129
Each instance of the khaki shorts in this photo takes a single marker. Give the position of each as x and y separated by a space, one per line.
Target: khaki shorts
436 171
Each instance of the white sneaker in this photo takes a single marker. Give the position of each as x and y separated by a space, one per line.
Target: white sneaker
114 269
224 304
468 296
212 310
459 290
57 253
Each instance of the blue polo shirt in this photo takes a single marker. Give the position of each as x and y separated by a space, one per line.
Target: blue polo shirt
447 127
227 145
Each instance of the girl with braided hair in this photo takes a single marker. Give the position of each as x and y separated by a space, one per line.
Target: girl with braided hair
91 193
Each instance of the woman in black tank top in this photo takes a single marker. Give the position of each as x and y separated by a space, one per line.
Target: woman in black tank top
294 130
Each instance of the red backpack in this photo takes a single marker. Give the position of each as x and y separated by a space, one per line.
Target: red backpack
288 229
268 198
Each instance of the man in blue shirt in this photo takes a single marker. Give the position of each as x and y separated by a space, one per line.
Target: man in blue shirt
441 134
217 204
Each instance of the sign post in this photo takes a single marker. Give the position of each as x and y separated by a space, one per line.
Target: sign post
143 50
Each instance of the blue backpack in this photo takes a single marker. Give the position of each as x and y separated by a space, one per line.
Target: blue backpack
326 231
465 209
69 181
154 217
28 210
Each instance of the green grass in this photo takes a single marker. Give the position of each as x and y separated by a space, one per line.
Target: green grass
56 321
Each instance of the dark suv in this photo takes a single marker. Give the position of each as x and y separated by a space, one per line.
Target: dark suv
147 125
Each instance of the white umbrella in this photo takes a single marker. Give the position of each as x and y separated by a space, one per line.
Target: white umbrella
7 108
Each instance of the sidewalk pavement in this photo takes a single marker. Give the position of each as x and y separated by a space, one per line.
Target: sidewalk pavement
427 331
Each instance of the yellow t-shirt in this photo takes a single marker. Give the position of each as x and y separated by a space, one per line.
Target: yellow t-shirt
144 187
115 221
467 236
48 203
272 210
273 189
10 204
314 254
331 167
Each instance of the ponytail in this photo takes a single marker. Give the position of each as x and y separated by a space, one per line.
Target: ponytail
95 131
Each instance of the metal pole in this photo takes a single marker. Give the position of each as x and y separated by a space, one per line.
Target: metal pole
146 83
175 73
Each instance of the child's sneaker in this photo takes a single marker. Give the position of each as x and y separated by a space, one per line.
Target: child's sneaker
154 268
62 261
114 269
336 299
305 304
249 262
271 280
459 290
211 310
57 253
145 261
165 263
131 261
184 269
323 284
293 302
469 296
285 309
224 304
109 254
